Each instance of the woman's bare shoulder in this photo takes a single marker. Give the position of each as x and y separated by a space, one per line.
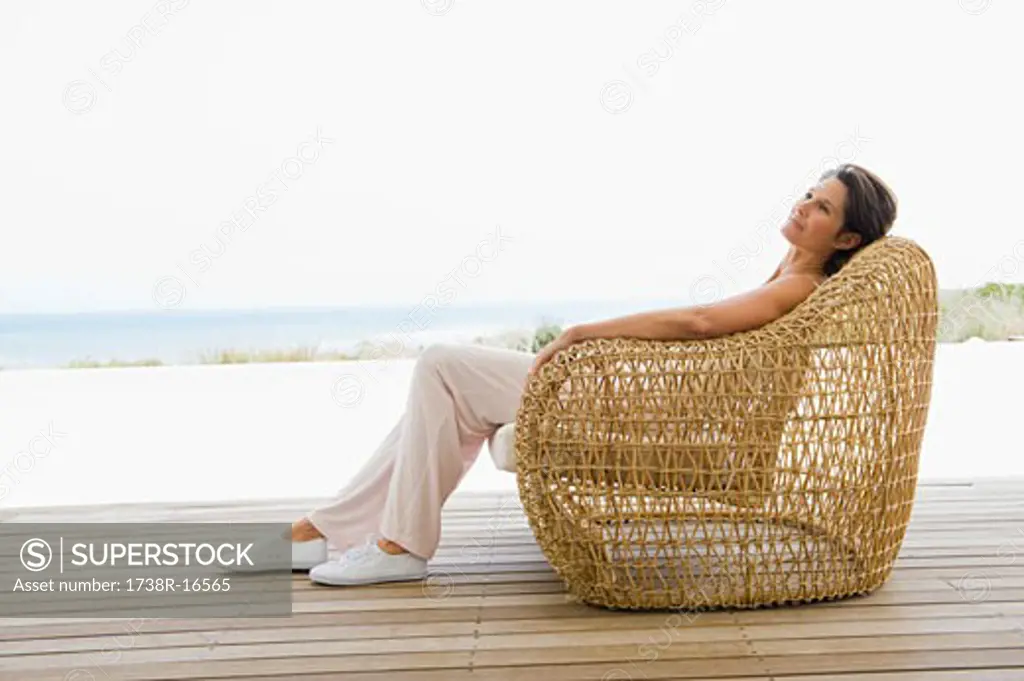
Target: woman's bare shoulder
816 279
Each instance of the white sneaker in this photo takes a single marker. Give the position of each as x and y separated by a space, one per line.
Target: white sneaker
369 565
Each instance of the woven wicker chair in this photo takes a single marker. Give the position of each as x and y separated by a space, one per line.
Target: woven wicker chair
766 467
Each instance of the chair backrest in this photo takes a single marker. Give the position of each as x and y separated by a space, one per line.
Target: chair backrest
864 343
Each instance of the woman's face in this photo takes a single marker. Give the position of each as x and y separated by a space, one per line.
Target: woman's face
817 219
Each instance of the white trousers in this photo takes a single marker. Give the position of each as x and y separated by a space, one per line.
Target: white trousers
459 396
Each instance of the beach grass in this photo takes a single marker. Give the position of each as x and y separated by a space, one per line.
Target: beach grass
303 354
114 363
993 312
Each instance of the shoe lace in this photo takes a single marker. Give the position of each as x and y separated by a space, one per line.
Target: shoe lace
359 552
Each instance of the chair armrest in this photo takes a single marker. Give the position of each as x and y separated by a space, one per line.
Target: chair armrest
688 415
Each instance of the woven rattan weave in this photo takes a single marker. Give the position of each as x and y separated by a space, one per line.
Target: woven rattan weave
772 466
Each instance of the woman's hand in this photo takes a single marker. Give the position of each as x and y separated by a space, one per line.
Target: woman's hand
564 340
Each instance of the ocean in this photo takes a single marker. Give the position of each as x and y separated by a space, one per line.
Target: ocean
177 337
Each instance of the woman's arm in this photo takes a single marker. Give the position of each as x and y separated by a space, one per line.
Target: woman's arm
742 312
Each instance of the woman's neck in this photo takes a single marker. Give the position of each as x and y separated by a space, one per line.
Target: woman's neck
802 262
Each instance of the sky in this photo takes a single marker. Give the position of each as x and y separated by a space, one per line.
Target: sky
186 155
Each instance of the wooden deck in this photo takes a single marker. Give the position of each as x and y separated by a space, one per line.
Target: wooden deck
953 610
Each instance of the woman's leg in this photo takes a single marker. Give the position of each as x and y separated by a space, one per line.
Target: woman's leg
355 512
460 394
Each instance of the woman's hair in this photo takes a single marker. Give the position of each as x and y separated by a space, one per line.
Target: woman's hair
870 209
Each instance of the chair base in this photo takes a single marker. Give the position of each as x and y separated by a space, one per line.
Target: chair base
711 556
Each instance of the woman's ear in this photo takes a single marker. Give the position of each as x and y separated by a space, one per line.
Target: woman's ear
848 240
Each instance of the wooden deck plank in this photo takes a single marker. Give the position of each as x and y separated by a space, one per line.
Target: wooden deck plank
988 674
567 649
557 621
416 605
411 638
612 654
766 666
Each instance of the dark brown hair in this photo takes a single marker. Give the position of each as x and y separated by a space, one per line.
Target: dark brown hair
870 209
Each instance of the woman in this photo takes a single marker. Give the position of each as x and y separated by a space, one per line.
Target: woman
461 394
